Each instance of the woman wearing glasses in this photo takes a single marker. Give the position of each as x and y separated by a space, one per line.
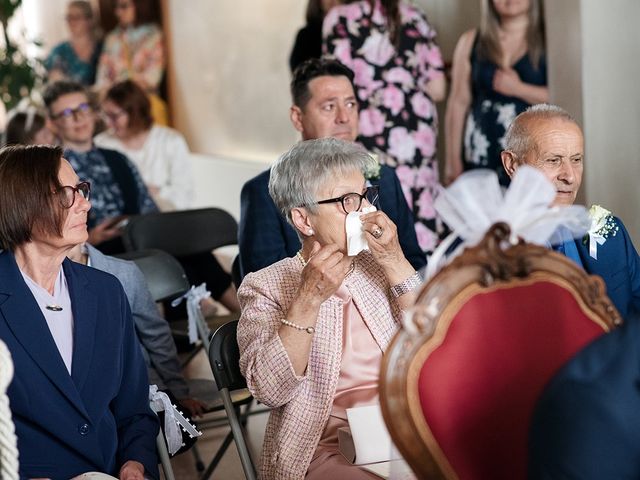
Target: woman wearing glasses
313 327
79 396
77 58
160 153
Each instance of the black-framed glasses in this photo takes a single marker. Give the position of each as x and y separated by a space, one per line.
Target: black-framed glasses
69 113
68 193
351 202
112 116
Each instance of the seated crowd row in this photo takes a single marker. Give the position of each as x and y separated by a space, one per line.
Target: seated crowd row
315 321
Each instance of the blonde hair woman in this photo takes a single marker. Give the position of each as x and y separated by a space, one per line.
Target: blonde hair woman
498 71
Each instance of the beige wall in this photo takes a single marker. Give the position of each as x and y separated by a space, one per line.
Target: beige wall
230 92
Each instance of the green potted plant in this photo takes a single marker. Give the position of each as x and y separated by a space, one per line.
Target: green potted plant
19 75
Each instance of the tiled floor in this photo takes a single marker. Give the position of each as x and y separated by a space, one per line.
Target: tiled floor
229 467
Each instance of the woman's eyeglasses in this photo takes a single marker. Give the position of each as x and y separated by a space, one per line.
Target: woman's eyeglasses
351 202
67 193
111 116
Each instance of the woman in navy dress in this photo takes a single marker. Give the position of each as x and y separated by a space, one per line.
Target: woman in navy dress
498 71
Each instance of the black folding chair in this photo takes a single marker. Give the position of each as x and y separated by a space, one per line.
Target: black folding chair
166 280
224 357
164 274
184 233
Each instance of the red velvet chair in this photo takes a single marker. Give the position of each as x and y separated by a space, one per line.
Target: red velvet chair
491 329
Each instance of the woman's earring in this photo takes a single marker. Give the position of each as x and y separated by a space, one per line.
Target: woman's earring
310 231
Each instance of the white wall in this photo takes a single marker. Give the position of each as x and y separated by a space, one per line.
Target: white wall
229 74
594 74
230 92
218 181
611 49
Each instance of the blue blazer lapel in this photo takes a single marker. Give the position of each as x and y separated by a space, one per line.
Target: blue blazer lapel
28 325
85 312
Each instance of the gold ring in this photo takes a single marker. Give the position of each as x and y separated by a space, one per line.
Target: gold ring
377 232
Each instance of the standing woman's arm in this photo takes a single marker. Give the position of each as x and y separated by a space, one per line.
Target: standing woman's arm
458 105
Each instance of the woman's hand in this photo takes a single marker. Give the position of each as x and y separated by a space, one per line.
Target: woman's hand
132 470
323 274
382 237
507 82
104 231
195 406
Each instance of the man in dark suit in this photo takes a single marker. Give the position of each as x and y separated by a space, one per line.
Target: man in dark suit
548 138
324 105
586 425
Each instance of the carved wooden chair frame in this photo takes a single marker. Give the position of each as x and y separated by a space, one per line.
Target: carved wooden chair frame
494 263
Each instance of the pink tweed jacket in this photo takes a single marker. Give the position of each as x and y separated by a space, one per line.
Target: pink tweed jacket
301 405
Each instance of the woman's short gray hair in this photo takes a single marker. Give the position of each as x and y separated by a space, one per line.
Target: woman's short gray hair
518 139
299 173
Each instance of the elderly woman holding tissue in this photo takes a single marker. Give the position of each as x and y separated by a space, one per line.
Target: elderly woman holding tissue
313 327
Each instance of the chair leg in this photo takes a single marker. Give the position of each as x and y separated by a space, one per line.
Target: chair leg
219 454
165 460
197 458
238 435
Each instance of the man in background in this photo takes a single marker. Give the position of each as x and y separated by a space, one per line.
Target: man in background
324 105
548 138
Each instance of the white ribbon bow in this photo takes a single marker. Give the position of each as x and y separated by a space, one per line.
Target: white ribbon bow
194 314
475 201
160 402
595 239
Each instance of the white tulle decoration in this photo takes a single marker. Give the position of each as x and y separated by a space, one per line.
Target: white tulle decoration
475 202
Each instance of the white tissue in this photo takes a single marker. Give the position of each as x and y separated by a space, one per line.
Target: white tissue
356 236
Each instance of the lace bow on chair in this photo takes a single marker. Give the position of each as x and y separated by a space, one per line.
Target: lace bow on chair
475 202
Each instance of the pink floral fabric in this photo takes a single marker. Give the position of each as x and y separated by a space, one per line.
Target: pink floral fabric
135 53
397 117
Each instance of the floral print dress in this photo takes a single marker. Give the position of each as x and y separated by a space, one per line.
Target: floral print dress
398 119
491 113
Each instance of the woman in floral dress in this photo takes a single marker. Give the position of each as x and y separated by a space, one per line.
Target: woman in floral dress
398 76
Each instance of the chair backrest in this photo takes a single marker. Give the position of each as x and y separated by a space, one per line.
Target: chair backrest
164 275
224 356
459 383
182 233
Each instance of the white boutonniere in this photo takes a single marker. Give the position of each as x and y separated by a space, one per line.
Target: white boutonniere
602 227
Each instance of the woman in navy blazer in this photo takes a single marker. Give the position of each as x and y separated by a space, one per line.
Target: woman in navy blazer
79 396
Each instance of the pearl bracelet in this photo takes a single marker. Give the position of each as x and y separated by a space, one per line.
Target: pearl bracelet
309 330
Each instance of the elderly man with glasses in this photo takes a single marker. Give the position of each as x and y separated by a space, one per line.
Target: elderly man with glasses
117 187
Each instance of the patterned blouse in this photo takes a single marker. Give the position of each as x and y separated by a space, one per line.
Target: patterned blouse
107 195
135 53
63 58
